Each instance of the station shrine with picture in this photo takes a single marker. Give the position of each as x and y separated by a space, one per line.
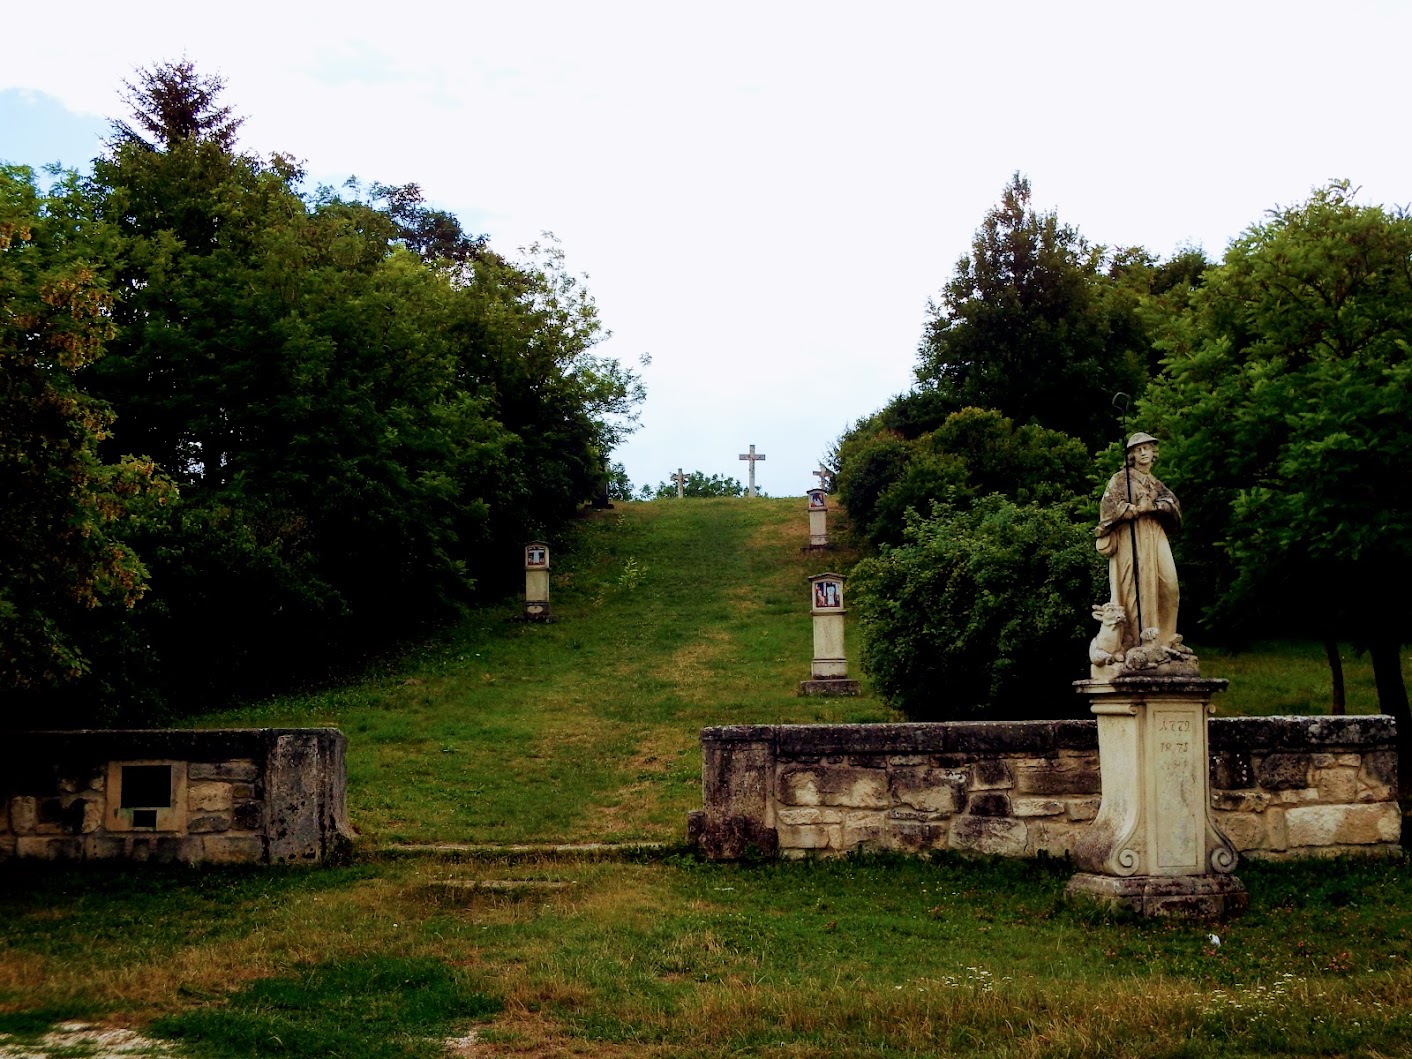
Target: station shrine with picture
537 581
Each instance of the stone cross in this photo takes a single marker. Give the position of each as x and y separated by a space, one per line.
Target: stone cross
680 479
823 477
752 457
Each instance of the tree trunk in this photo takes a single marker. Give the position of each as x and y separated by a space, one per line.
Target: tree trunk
1392 699
1340 703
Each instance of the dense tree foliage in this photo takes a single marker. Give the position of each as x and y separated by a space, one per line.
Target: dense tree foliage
697 484
974 452
981 611
61 555
1285 407
1034 326
366 410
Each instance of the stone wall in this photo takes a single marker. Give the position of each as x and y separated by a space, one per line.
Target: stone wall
1280 786
257 796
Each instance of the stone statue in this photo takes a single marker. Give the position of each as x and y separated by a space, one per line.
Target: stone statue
1139 622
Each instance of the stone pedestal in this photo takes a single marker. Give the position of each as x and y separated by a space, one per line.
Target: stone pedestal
829 672
1154 846
537 581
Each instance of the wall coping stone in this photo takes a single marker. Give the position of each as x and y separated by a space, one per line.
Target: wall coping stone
1040 737
99 745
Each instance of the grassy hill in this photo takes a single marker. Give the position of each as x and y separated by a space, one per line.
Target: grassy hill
669 616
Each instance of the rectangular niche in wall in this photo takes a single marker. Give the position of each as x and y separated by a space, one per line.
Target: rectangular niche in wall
147 796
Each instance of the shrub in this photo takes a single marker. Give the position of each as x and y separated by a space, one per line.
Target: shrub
983 612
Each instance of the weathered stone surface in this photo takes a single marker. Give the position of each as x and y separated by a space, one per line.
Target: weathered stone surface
1283 772
913 836
981 834
205 797
1054 837
846 785
1056 777
1327 734
1240 801
1198 896
233 849
242 770
862 830
92 815
929 789
208 822
1379 767
906 760
249 816
811 836
825 686
24 814
1082 809
1343 825
1336 784
1245 830
737 765
811 815
1232 770
990 774
988 803
49 847
1023 807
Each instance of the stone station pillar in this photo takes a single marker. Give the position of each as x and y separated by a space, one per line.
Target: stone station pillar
818 519
537 581
829 672
1154 846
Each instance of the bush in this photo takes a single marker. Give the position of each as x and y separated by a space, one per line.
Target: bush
983 612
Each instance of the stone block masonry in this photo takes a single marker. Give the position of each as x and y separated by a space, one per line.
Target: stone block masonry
1280 787
225 796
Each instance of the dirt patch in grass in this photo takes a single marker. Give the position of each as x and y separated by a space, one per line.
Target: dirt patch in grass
533 1033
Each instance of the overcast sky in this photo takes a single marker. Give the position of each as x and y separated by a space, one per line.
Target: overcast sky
765 195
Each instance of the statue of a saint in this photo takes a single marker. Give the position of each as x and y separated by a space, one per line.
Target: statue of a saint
1135 514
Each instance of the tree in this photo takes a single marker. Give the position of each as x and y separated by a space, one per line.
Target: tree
973 452
362 406
62 508
173 103
981 612
1026 327
697 485
1284 408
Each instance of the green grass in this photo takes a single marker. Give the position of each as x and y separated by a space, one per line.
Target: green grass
371 1006
672 616
672 956
1280 678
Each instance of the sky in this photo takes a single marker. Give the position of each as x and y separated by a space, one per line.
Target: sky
764 196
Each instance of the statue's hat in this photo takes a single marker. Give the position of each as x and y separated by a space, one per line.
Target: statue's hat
1139 439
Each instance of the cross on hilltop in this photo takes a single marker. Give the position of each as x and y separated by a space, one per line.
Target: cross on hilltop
753 458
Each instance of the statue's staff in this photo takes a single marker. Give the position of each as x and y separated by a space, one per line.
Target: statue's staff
1132 520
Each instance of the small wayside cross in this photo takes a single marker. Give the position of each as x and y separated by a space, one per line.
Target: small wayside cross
680 479
753 458
823 477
